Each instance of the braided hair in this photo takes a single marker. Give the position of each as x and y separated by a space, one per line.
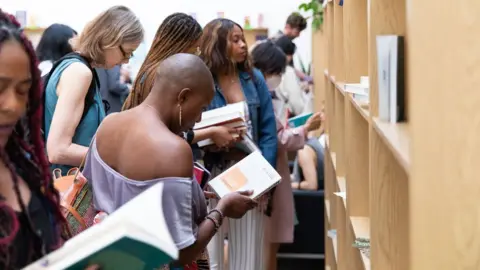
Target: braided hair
24 153
178 33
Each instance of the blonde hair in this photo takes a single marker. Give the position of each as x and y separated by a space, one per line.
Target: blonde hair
113 27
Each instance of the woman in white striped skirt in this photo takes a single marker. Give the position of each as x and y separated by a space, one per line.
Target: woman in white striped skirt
225 52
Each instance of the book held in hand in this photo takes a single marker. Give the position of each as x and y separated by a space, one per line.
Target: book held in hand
134 237
251 173
231 116
299 120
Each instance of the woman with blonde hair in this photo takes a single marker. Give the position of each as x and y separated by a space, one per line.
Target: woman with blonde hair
73 105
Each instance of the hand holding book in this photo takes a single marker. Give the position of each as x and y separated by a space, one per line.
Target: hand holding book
313 122
236 204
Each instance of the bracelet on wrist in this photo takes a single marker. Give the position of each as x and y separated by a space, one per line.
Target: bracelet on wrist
215 222
219 213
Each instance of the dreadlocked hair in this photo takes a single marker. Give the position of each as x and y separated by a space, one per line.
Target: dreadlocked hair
177 34
24 152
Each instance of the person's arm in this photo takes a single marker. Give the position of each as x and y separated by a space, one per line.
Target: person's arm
71 90
190 239
267 141
308 185
291 139
114 85
202 134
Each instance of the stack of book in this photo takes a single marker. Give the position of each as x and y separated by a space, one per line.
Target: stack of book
232 116
360 91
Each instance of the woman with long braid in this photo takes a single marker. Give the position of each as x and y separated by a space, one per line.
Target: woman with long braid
179 33
30 218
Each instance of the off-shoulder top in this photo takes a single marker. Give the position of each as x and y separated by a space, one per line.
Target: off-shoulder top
184 205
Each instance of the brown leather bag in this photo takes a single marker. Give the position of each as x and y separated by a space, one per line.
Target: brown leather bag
76 199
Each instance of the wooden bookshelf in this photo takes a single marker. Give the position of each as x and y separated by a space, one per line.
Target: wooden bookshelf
370 156
411 187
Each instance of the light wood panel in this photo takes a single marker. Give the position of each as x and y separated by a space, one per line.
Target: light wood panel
444 113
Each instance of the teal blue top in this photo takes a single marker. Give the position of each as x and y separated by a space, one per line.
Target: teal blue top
87 127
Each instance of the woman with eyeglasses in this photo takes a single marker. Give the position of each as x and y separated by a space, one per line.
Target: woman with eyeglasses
73 106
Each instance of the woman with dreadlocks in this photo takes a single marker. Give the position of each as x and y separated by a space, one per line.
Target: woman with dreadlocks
179 33
30 219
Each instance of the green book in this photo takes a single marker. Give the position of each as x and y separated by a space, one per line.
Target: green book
299 120
131 238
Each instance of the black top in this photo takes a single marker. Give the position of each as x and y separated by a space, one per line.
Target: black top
30 244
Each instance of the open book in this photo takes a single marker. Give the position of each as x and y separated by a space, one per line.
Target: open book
299 120
133 237
251 173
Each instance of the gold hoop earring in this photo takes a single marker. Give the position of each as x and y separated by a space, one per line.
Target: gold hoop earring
180 115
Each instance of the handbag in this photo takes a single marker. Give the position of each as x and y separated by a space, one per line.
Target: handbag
76 199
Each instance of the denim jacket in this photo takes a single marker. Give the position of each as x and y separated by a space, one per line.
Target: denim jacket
262 117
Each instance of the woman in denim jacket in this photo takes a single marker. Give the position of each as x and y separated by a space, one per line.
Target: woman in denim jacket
225 52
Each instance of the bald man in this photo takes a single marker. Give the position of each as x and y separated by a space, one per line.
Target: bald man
143 143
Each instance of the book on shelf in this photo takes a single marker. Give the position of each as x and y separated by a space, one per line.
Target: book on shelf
251 173
299 120
360 91
132 237
391 78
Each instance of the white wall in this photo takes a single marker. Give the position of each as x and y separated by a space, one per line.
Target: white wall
77 13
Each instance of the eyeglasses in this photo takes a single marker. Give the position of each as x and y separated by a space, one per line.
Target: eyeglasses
125 55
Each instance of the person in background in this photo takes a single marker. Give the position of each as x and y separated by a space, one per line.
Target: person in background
271 61
178 33
308 169
31 219
225 52
73 106
112 90
289 91
122 163
53 45
294 25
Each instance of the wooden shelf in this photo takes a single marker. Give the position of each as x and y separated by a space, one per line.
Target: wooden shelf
362 108
327 209
396 136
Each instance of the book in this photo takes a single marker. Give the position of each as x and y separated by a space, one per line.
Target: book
251 173
237 125
231 113
391 78
202 175
133 237
299 120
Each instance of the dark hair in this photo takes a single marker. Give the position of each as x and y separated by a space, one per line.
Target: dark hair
214 46
269 59
25 152
286 45
176 34
55 42
295 20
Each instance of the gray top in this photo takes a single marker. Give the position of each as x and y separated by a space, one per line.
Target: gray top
184 205
111 89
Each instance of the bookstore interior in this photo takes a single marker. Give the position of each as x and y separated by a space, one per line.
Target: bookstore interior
396 80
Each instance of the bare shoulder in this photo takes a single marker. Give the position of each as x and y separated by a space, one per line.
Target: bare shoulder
79 70
75 79
175 156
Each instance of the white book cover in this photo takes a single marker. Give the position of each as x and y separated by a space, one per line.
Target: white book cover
384 76
226 113
130 238
357 88
251 173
